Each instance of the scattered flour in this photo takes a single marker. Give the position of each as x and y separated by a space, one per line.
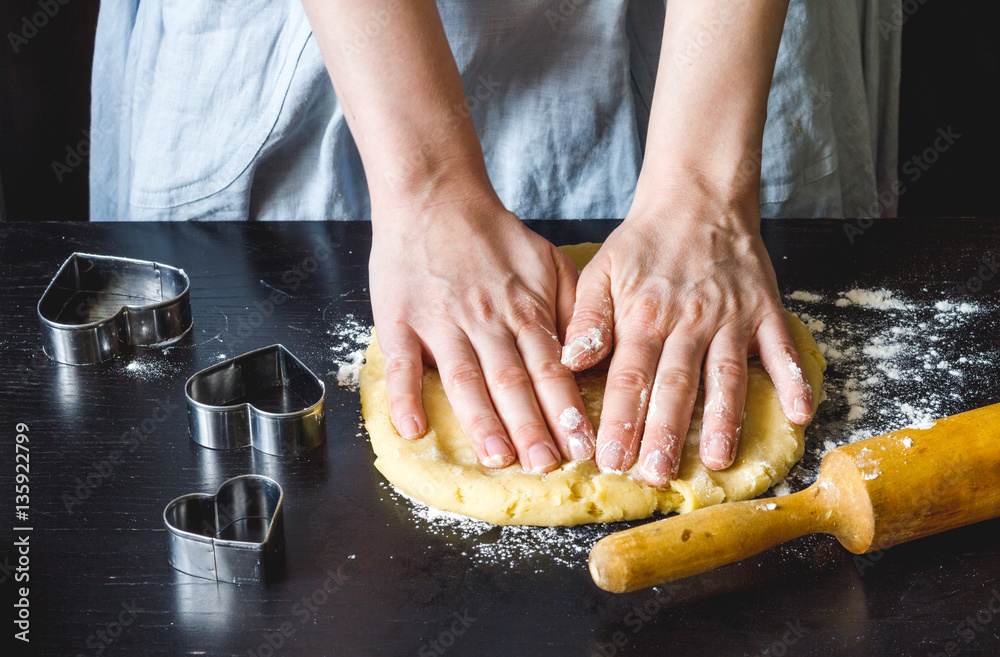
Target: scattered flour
893 362
782 488
147 368
882 352
570 419
353 338
349 371
876 299
486 544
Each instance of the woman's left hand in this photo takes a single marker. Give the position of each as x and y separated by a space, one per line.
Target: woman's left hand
683 286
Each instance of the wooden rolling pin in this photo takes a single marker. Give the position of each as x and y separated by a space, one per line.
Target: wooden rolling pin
871 495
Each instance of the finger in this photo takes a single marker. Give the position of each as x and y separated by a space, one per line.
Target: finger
588 336
465 386
404 371
725 395
566 278
513 397
671 403
557 393
782 362
626 397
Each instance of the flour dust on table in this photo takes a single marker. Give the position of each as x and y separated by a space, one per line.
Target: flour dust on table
442 470
891 364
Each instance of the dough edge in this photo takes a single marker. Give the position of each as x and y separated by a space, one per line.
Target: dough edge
441 468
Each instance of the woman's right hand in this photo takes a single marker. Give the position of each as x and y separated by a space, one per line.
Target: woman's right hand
460 283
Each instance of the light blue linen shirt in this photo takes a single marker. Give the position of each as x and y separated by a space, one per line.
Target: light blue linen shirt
223 110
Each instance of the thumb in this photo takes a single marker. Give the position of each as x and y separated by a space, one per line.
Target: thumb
589 334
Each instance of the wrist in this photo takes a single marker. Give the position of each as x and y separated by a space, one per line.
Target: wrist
685 194
457 206
423 182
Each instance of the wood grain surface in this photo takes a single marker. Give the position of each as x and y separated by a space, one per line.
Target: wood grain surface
109 448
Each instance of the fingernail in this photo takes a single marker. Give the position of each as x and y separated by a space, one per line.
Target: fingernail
541 458
581 446
611 458
498 452
575 349
803 408
655 469
409 428
720 451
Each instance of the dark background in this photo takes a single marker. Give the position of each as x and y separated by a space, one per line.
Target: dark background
950 75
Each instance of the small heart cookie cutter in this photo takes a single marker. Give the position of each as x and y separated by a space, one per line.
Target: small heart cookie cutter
98 307
265 398
236 535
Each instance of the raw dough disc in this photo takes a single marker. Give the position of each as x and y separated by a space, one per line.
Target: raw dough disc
442 470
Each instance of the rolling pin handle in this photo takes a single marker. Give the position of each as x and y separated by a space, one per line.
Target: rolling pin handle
693 543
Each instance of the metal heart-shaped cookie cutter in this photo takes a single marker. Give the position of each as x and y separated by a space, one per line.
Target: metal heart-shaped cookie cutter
265 398
236 535
98 307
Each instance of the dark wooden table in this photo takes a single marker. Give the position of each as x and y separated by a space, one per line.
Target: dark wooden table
99 579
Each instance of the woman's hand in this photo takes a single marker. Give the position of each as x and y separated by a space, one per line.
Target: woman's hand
462 284
682 287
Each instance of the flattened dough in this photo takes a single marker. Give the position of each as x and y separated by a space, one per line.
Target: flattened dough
441 468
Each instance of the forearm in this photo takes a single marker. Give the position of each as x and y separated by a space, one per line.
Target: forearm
402 95
710 102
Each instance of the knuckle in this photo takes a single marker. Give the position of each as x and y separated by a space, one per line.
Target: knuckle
526 433
403 403
403 367
676 380
527 313
589 316
481 305
727 368
482 424
549 371
509 377
692 311
629 379
646 317
464 375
